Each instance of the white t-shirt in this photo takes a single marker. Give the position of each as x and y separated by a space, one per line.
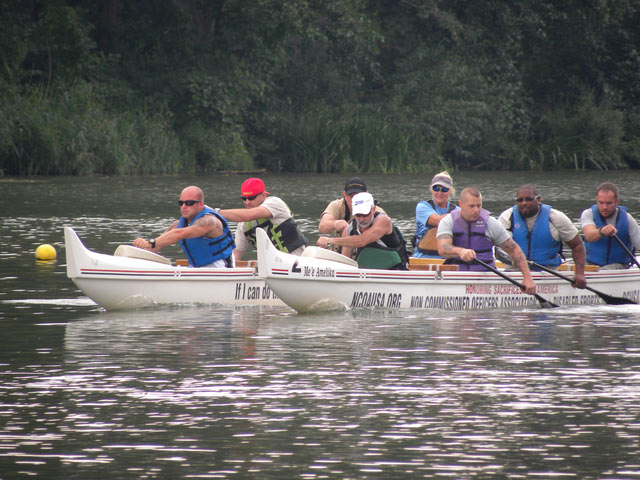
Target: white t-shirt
586 218
494 232
560 226
279 213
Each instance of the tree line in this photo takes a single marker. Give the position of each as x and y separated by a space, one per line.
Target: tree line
189 86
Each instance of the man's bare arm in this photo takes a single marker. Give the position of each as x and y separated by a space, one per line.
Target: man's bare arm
446 249
245 214
518 258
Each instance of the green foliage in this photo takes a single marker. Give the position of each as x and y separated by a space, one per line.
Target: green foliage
216 149
372 85
586 136
72 133
365 141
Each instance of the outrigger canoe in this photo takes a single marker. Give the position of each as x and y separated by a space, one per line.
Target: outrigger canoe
321 281
135 278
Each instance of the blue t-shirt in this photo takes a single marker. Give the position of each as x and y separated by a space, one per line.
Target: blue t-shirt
424 210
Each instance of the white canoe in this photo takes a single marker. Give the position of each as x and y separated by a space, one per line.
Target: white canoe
121 281
310 283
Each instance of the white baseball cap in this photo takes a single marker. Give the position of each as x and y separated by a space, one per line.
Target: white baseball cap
362 203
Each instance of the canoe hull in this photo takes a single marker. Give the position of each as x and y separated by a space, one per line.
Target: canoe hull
118 283
308 284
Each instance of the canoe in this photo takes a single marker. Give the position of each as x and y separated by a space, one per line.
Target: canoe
135 278
312 282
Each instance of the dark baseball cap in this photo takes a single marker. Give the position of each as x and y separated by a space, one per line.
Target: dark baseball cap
355 185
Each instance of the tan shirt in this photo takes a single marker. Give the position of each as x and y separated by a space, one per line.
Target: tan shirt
338 209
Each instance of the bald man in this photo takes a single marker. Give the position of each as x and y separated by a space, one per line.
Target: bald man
202 233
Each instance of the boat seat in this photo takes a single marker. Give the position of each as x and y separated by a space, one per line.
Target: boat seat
437 267
246 263
135 252
324 254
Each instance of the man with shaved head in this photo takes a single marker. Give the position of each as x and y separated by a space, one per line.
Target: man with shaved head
471 232
202 233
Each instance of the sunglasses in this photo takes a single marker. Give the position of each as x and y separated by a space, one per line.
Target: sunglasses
188 203
252 197
525 199
438 188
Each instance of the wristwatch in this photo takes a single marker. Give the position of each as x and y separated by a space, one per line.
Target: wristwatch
153 243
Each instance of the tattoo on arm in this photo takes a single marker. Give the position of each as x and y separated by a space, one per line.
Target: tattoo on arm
206 221
446 242
515 253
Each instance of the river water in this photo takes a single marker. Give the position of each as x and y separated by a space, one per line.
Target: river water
264 393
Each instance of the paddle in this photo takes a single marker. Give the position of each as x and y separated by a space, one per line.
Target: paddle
543 303
626 249
608 299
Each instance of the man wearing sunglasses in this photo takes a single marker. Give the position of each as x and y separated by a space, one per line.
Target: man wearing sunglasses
371 238
201 232
601 222
268 213
540 231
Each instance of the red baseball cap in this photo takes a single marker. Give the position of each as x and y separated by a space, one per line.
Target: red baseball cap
251 187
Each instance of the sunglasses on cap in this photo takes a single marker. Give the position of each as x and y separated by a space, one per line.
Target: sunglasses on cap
252 197
440 188
188 203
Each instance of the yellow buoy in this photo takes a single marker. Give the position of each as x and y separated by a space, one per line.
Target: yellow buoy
45 252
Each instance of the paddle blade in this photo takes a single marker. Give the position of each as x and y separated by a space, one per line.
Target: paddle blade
616 300
545 303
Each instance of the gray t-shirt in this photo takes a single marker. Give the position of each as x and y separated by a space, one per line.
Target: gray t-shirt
560 226
494 232
634 232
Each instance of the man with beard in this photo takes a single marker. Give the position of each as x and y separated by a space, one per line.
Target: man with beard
601 222
371 238
471 232
540 230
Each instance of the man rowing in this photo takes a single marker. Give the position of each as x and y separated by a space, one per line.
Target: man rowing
471 232
269 213
540 230
604 221
202 233
338 214
371 238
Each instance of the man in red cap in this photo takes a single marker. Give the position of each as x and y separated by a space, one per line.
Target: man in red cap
269 213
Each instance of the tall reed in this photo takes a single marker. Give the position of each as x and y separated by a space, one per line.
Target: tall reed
72 132
365 141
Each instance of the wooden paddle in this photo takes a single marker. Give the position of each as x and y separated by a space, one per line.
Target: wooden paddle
608 299
626 249
543 302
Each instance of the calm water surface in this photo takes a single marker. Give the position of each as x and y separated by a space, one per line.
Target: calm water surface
259 393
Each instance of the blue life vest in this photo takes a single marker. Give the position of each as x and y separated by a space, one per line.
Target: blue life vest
606 250
472 236
538 244
203 250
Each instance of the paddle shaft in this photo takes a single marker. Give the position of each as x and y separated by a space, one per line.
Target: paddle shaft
626 249
607 298
542 300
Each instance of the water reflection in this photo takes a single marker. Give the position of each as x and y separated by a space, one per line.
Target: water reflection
255 392
215 392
